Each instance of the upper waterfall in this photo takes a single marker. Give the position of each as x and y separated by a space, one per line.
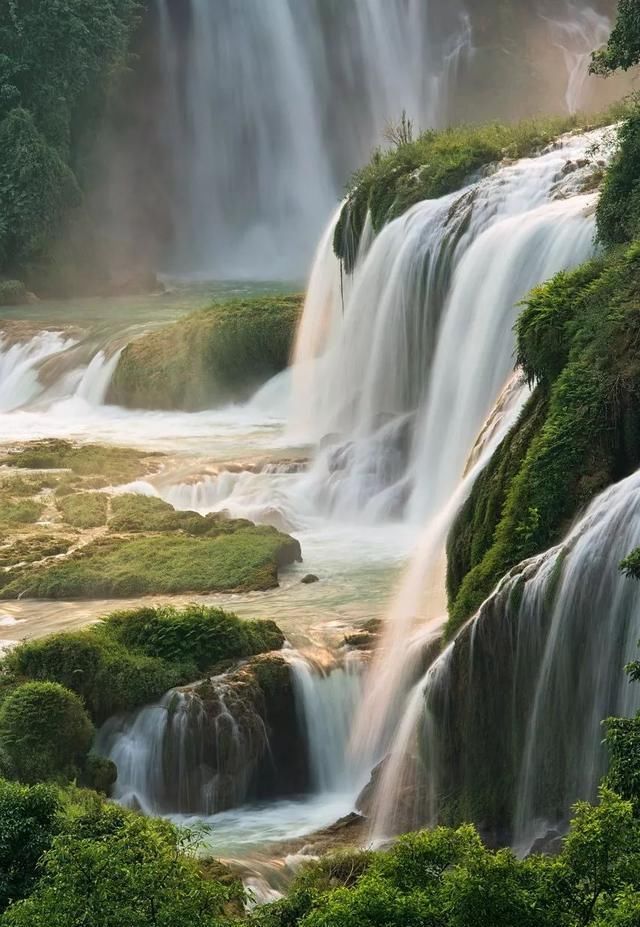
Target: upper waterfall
260 112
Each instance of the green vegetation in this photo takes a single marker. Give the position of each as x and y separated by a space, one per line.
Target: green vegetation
57 65
209 357
133 657
623 48
116 567
577 339
103 463
85 509
108 867
435 164
28 823
12 293
44 730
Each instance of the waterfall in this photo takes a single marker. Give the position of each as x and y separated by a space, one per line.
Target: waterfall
577 33
214 746
19 363
259 140
408 356
506 724
327 700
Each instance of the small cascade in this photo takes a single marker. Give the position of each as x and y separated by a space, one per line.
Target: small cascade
19 364
506 725
218 745
94 383
193 753
327 699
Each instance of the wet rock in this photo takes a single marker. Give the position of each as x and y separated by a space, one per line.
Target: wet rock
366 636
549 845
309 579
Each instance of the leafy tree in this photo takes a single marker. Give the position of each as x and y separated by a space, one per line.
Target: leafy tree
45 731
28 823
623 48
115 868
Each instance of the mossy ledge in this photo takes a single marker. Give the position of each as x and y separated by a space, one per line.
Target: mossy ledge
437 163
210 357
94 544
577 340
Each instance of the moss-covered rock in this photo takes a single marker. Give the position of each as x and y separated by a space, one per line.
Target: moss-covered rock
577 339
115 567
209 357
102 464
84 509
133 657
432 165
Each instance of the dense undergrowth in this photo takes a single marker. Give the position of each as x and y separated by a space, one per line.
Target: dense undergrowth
209 357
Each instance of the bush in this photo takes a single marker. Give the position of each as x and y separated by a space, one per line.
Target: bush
99 774
29 819
45 730
198 634
618 213
105 675
114 868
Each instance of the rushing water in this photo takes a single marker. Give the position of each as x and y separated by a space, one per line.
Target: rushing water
398 387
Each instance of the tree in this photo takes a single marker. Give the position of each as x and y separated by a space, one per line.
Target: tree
28 823
115 868
45 731
623 49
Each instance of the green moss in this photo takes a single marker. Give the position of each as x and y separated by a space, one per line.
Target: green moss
84 509
435 164
33 548
134 512
209 357
133 657
104 463
588 437
246 559
19 511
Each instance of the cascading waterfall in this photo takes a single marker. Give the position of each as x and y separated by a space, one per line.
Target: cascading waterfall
19 363
438 287
506 724
204 749
260 142
327 700
416 356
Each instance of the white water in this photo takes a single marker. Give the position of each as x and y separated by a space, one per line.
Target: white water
415 358
577 31
259 136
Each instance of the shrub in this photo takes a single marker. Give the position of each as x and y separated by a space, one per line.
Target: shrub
197 634
99 774
45 730
29 819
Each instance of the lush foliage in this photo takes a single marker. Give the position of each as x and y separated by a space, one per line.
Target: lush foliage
28 823
577 339
623 49
44 731
109 868
434 164
208 357
58 60
133 657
